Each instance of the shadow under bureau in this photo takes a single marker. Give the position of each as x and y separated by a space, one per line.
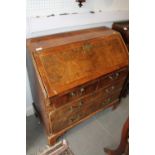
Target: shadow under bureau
74 75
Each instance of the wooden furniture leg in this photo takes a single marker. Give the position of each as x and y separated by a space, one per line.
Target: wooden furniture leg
124 142
53 139
115 105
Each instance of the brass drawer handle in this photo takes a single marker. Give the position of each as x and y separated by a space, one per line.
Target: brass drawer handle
114 76
107 101
71 109
74 118
108 90
72 94
80 103
87 47
82 90
77 106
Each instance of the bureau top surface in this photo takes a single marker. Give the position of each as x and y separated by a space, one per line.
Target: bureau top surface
67 60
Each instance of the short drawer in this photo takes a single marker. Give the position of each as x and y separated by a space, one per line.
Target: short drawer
74 94
110 78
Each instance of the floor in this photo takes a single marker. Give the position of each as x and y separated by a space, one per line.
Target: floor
88 138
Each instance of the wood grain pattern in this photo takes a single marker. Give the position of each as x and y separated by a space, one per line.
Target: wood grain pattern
75 72
67 68
53 137
89 87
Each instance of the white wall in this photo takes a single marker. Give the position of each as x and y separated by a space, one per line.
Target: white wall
47 7
29 108
111 10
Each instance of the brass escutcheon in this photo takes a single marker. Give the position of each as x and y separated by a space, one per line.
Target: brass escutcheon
87 47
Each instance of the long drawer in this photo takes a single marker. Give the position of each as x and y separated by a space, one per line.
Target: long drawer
88 88
64 121
75 111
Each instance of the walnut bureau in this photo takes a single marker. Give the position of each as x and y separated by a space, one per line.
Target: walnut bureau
74 75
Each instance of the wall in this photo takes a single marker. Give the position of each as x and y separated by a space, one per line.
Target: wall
47 7
29 108
40 23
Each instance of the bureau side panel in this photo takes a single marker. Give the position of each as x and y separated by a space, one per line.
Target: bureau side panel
38 92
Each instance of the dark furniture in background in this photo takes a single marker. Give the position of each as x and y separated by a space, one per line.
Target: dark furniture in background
74 75
123 28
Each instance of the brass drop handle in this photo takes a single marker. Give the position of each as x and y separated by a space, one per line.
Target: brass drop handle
108 90
82 90
106 101
77 106
80 103
71 109
114 76
74 118
72 94
117 75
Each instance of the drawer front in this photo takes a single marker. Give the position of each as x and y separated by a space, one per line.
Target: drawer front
73 112
116 76
67 120
74 94
101 103
84 101
80 91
